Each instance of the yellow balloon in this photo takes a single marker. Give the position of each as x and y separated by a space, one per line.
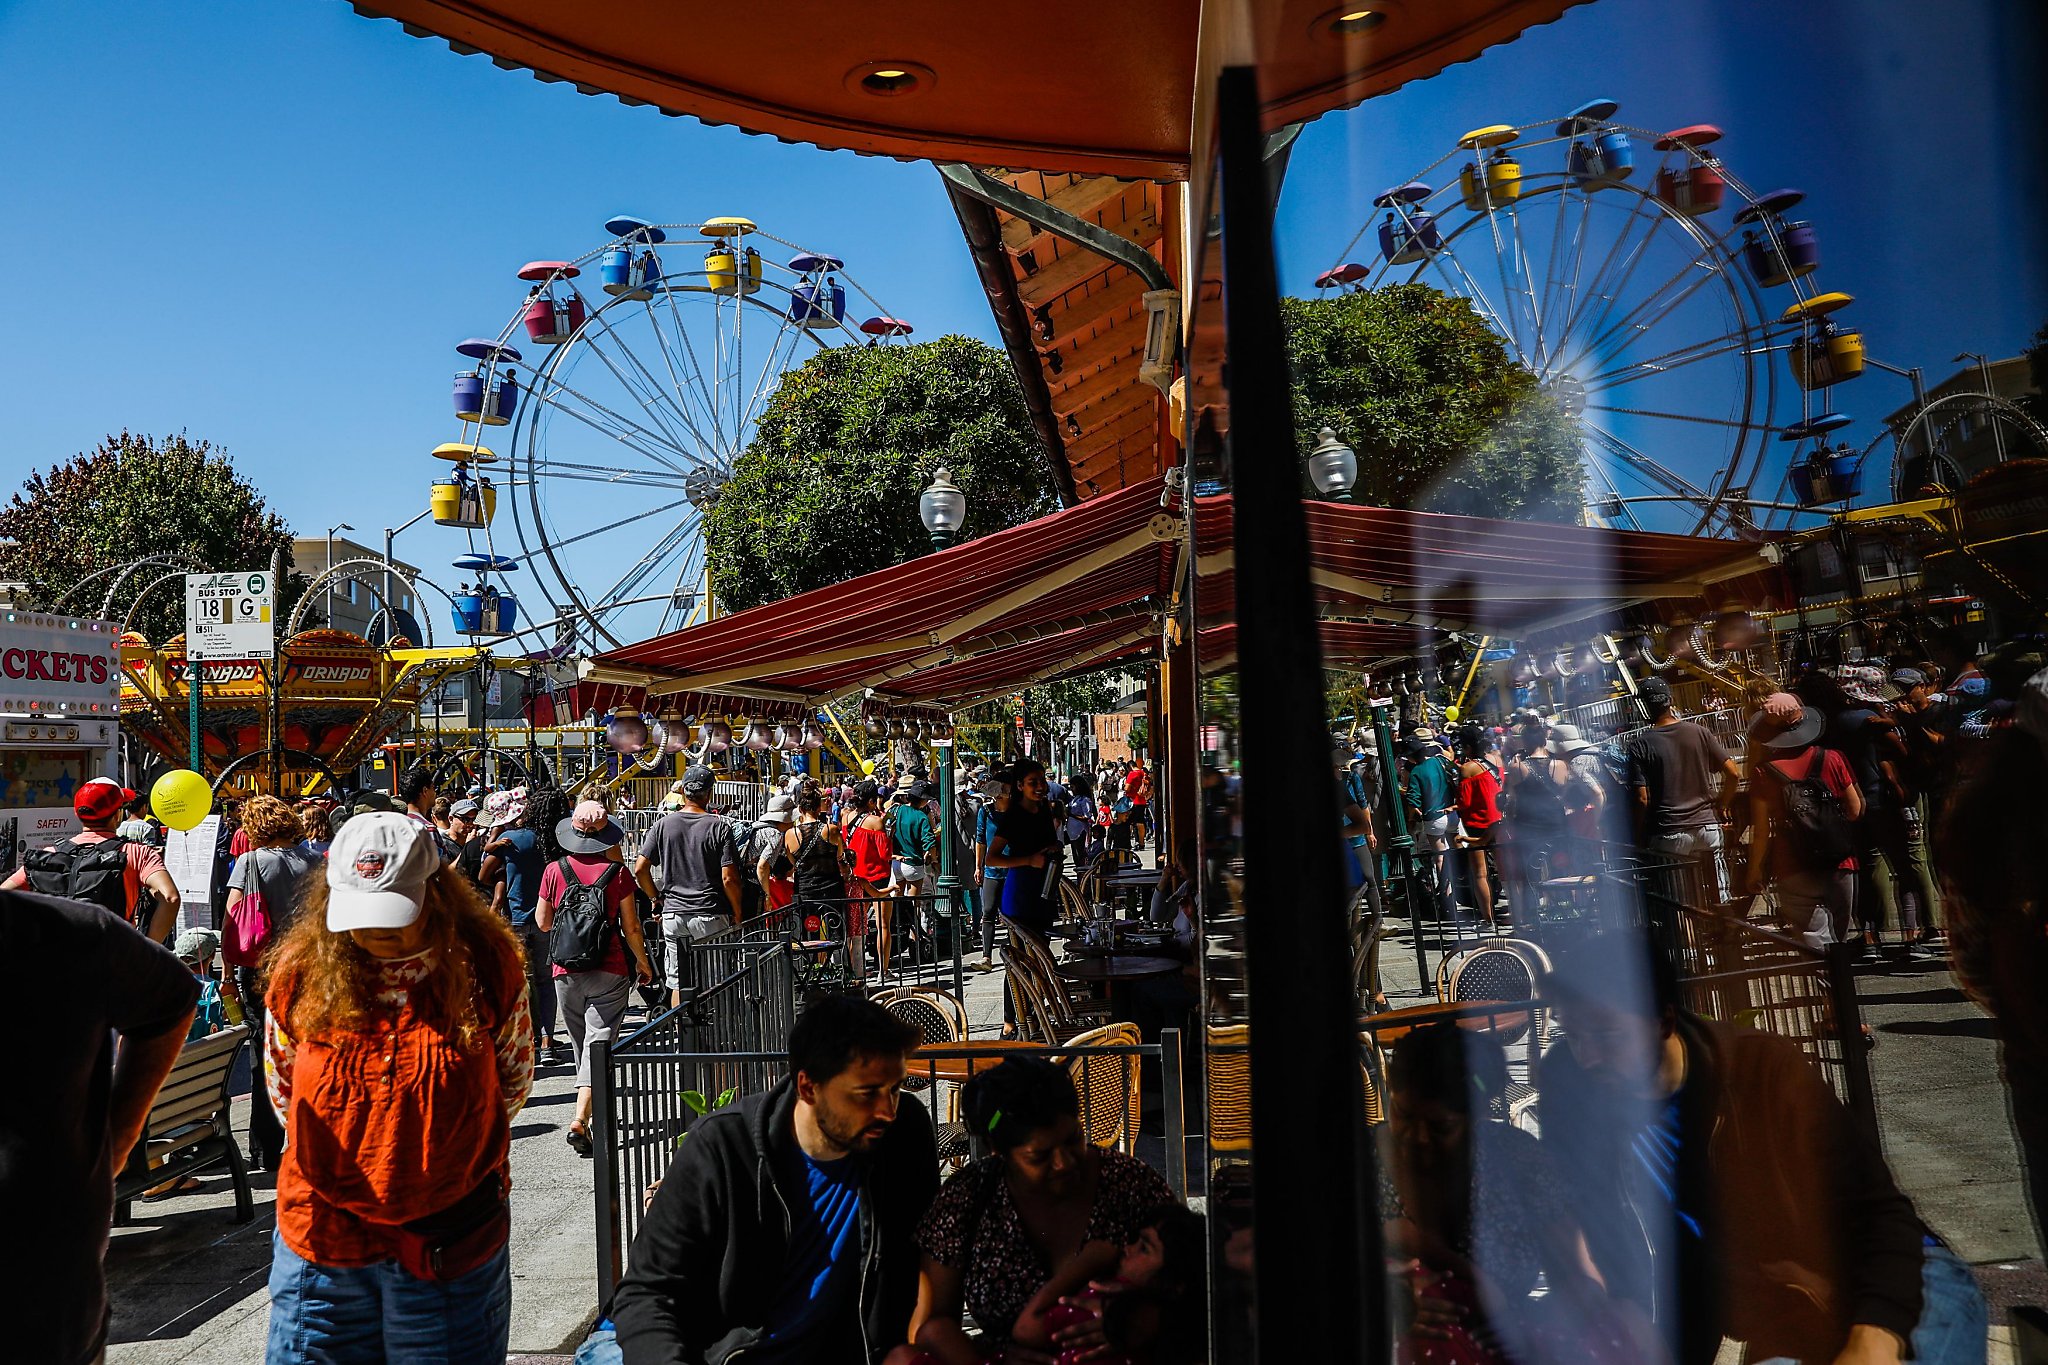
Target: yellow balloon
181 798
867 767
1450 715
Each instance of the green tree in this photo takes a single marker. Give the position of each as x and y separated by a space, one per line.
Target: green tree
130 497
1425 392
1139 736
828 487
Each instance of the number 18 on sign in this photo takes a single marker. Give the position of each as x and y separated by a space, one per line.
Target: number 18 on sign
227 616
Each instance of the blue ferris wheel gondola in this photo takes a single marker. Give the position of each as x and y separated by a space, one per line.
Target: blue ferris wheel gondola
638 229
485 563
813 262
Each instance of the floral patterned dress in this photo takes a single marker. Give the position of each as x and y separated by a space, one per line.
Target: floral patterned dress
1004 1267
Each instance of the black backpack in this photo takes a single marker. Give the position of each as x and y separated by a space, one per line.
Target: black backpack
583 921
94 873
1815 824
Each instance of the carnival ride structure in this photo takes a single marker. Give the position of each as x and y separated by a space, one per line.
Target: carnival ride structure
627 420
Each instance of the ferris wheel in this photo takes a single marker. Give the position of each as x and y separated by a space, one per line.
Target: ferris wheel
626 413
1649 307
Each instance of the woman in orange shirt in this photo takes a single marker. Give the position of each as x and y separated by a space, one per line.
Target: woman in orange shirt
400 1046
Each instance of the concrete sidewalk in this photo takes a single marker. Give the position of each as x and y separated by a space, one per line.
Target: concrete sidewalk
188 1285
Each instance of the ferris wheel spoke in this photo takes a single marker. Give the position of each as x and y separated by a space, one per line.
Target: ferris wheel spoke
616 426
1566 305
1595 285
644 567
689 570
719 444
1609 298
1657 474
1728 343
1501 255
606 529
781 351
679 387
1699 264
1670 416
650 399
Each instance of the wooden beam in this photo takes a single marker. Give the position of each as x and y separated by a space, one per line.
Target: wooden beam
1099 385
1075 310
1136 421
1081 352
1074 265
1083 199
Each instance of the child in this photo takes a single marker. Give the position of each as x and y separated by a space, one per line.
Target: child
196 948
1150 1313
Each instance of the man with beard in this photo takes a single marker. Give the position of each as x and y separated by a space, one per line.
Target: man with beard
784 1226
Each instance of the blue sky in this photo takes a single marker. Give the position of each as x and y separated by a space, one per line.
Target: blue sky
267 221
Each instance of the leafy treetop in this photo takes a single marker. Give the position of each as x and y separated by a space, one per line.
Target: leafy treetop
130 497
828 487
1442 419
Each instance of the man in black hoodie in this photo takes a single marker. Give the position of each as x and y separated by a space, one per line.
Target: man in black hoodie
782 1231
1725 1192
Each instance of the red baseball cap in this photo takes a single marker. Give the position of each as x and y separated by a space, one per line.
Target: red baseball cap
100 800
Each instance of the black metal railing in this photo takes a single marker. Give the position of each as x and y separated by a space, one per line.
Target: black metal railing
643 1098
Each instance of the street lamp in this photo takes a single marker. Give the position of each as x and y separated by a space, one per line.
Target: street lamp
391 533
328 567
943 509
1332 467
1984 373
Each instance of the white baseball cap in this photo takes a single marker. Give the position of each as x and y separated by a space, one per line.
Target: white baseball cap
377 870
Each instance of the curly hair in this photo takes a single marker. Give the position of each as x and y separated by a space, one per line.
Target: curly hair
327 984
270 823
546 807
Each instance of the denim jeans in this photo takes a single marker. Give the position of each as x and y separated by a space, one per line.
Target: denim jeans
1954 1321
540 981
366 1315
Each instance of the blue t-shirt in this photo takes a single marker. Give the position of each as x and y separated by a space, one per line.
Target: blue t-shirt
210 1016
522 875
985 830
821 1272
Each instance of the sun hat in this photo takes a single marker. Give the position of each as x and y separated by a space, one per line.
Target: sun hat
698 780
781 810
905 782
97 802
377 870
1568 740
1785 722
196 946
1862 682
502 808
588 829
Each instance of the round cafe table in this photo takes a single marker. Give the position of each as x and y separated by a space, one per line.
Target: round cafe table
983 1053
1117 967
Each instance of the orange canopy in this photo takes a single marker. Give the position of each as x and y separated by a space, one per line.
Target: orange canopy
1102 88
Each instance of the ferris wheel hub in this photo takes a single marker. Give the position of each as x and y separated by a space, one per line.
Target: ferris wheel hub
1568 391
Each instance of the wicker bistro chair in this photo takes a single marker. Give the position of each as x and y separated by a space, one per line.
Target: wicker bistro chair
1108 1086
1039 1006
1229 1088
941 1018
1070 1008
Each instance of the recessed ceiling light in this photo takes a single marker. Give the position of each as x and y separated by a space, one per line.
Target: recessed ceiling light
1357 21
889 79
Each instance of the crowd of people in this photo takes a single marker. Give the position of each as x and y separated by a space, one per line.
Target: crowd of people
1822 827
403 964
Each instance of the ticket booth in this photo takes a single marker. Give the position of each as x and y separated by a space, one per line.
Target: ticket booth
60 679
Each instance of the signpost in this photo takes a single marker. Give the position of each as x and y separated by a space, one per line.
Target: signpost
227 616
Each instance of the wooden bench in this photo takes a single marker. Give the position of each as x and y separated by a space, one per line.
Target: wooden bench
188 1129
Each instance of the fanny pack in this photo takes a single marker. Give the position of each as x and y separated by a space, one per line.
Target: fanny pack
459 1239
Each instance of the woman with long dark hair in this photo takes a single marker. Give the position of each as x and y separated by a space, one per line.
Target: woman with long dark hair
399 1048
817 856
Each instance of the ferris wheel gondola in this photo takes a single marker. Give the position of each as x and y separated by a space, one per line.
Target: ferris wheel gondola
626 421
1637 303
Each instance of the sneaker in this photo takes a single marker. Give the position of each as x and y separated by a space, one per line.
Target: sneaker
985 965
1922 953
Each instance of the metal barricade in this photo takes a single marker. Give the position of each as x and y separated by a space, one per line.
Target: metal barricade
643 1097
